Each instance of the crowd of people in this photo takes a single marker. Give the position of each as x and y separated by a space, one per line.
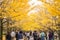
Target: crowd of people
31 35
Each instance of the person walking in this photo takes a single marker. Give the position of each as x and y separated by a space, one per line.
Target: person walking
16 35
42 35
13 35
20 35
47 35
31 36
55 35
8 36
59 34
35 35
39 36
28 35
51 35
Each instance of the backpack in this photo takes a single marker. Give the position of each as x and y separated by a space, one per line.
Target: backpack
20 36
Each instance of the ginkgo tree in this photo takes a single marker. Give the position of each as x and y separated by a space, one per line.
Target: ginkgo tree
29 12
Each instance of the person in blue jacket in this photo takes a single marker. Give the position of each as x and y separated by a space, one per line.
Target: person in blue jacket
42 35
20 35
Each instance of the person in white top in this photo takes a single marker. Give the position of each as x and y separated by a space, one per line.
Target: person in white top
47 35
31 36
28 34
13 35
56 35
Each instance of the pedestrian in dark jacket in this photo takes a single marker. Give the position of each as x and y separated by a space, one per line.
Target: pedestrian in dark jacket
16 35
51 35
35 35
8 36
20 35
